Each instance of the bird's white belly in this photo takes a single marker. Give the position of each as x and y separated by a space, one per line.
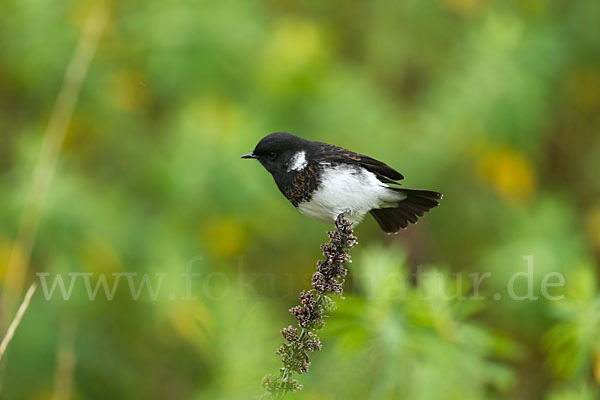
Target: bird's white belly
348 188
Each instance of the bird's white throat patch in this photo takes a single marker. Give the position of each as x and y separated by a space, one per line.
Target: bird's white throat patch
298 161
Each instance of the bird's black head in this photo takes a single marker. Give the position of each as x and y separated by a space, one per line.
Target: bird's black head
281 152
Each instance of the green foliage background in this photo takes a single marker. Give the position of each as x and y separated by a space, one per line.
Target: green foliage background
494 103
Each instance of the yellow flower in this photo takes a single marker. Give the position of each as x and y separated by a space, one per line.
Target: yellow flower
294 49
128 90
224 237
217 118
192 321
98 256
8 249
509 173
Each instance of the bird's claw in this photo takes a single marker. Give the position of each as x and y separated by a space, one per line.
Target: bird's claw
339 221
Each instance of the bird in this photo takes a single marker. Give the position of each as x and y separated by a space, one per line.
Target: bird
324 181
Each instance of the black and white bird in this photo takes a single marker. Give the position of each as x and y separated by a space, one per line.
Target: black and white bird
323 181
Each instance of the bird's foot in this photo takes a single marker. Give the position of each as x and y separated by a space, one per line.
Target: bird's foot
339 221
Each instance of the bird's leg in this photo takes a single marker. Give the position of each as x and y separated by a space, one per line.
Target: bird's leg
338 221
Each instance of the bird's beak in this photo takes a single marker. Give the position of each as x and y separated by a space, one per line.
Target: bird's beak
249 155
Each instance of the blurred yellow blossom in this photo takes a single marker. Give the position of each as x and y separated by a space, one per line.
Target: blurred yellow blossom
223 237
509 173
98 256
216 117
7 248
44 393
193 322
295 48
127 89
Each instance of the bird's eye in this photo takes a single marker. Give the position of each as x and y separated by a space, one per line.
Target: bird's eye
272 156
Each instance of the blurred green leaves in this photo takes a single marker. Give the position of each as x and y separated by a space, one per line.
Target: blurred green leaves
407 336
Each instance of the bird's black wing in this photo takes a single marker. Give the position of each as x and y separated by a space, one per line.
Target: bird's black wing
334 154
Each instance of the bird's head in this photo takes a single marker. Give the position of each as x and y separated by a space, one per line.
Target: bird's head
281 152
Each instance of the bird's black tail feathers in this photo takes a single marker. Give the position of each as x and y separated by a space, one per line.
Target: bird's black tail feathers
416 203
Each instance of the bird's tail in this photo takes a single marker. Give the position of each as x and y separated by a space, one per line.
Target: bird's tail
409 209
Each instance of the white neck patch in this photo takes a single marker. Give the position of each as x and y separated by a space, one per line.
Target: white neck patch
298 161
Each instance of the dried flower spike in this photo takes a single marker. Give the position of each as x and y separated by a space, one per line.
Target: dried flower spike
310 313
